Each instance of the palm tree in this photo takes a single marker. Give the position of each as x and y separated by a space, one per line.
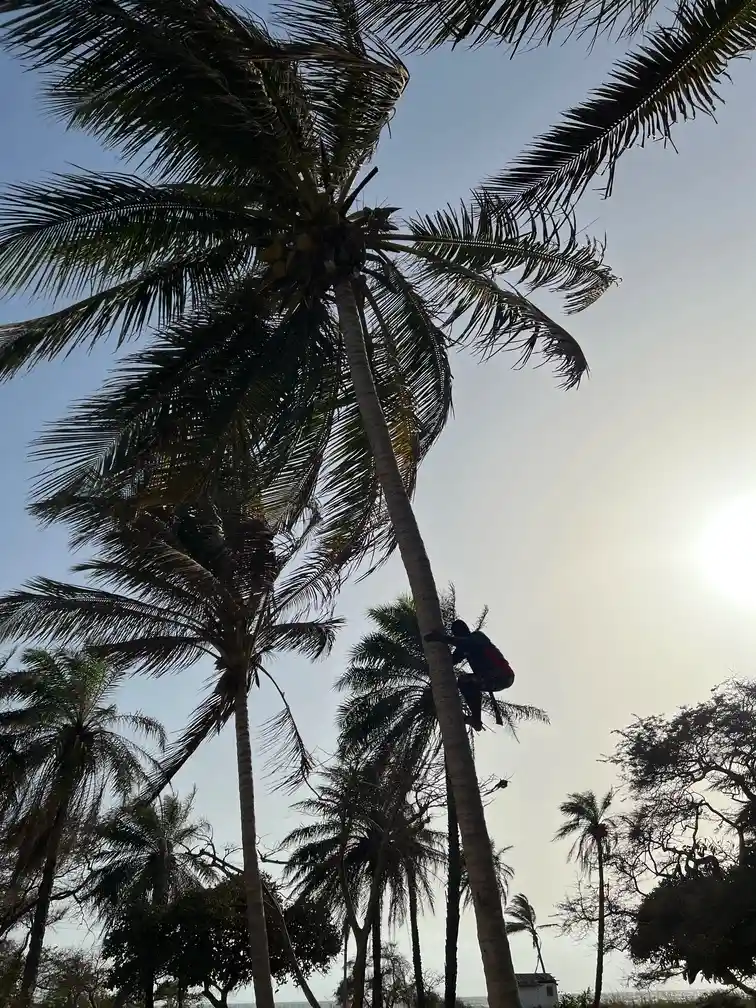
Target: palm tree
206 579
60 707
366 842
146 855
521 919
586 822
290 318
146 861
390 709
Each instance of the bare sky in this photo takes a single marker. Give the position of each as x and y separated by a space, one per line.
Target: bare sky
574 516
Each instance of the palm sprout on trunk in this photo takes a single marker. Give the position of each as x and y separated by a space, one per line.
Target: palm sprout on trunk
58 707
207 578
293 324
593 831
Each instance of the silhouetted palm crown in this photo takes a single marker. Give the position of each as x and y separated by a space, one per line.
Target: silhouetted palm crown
229 248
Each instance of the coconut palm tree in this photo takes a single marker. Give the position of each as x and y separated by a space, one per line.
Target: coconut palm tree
291 315
78 750
587 823
390 709
367 845
207 579
521 919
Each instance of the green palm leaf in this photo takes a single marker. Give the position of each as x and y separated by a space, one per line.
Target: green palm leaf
672 76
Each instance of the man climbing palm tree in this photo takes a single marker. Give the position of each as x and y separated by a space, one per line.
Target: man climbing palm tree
490 670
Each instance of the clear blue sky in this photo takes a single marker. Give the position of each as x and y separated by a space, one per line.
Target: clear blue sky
574 516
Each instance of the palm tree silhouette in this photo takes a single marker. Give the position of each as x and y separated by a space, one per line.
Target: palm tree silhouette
586 822
389 710
59 708
295 320
211 578
521 919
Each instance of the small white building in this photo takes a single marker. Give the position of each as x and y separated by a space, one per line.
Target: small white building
537 990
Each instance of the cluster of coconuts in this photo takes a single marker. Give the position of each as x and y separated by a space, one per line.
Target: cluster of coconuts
326 248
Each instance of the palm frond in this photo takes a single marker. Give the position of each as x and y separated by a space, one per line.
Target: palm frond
352 103
289 761
495 318
191 83
486 239
672 76
428 24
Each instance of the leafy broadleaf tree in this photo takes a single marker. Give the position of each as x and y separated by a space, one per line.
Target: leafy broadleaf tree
207 579
586 823
78 749
293 319
389 709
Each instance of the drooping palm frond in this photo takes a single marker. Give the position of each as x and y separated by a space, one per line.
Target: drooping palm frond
673 75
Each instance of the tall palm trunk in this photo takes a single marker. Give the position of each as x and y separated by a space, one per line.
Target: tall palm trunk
501 985
453 898
345 970
377 985
417 959
42 909
360 968
258 935
601 927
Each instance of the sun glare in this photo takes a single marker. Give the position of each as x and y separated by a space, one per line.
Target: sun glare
728 551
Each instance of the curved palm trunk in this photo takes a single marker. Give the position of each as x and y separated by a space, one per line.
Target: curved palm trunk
501 985
42 909
601 927
417 959
453 897
377 985
258 935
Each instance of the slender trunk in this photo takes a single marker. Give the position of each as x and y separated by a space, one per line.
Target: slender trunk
453 897
417 959
277 914
601 926
501 985
42 909
360 969
539 961
345 977
377 985
258 935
